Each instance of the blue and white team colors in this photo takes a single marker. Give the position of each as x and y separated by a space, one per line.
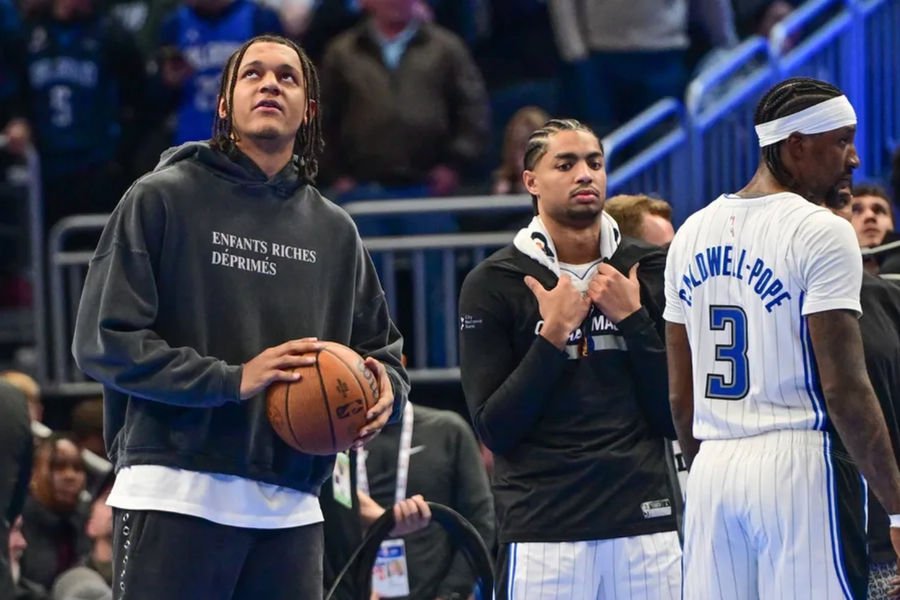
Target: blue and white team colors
770 506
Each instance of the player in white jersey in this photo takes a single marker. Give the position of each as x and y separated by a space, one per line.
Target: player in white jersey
767 379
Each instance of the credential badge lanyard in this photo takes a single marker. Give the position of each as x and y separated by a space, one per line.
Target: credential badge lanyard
362 475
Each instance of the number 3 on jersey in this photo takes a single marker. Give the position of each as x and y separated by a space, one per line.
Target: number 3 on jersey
735 387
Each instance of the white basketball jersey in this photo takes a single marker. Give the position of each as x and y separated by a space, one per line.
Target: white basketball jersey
742 275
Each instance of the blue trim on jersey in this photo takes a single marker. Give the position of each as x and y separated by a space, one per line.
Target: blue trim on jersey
512 571
865 493
810 375
837 551
817 382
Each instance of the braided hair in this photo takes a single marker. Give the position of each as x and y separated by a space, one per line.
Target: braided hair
789 97
540 138
308 143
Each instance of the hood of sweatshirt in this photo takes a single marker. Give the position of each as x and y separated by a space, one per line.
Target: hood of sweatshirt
234 166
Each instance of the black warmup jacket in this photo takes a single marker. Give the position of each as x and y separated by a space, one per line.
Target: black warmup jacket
578 436
880 328
205 263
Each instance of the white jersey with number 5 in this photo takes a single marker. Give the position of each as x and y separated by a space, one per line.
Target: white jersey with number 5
742 275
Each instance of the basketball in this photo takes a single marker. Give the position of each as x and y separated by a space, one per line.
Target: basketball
324 410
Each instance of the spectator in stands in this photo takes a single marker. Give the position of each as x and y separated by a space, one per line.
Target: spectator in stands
87 431
634 51
15 468
407 109
28 386
54 514
873 216
25 589
330 18
642 217
80 583
196 40
508 176
432 453
85 77
99 530
873 220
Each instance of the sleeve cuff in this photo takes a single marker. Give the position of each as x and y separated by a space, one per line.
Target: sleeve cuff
232 387
634 323
546 349
851 304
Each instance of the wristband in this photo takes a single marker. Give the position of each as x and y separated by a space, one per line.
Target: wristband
895 520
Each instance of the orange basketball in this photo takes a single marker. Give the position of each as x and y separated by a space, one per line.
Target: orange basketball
324 410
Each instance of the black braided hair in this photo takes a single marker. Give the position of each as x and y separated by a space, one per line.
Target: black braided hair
786 98
539 138
308 143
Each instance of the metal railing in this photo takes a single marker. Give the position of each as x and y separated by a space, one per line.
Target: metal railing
27 176
66 269
721 102
877 39
395 255
660 167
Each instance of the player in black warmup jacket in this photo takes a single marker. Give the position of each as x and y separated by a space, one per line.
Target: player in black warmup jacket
564 372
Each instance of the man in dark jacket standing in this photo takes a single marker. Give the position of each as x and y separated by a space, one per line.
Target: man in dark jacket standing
564 372
15 471
407 107
214 275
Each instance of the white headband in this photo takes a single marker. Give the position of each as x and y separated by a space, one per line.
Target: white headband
825 116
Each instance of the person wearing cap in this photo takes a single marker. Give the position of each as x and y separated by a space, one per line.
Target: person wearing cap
773 407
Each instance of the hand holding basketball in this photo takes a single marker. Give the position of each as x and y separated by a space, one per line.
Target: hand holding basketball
378 415
277 364
332 402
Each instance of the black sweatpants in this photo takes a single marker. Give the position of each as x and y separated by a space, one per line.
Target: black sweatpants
170 556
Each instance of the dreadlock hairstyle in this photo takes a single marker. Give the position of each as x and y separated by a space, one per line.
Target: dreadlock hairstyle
308 143
538 140
789 97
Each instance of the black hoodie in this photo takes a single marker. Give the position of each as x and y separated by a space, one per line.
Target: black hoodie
204 264
578 437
